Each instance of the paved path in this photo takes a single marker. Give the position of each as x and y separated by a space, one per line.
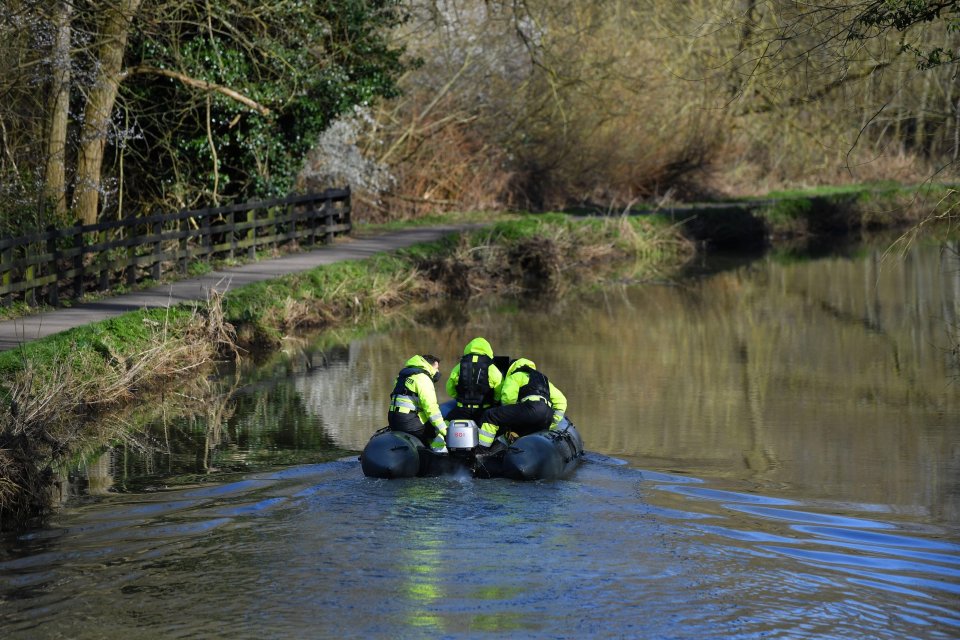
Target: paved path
20 330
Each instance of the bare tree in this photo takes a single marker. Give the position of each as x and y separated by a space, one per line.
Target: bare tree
99 107
56 181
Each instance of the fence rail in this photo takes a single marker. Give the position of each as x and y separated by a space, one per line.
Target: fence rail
67 263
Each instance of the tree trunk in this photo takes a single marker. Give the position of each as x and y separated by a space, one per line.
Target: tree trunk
100 102
748 23
56 187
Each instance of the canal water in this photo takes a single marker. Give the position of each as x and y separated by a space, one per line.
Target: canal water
774 451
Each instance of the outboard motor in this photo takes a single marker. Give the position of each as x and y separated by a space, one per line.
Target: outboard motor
462 436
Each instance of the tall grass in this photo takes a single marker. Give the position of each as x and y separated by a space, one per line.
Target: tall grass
54 391
551 253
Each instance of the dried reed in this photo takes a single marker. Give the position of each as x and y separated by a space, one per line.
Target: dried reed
50 413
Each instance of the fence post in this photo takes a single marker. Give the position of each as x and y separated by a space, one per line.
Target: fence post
183 226
131 267
206 236
252 234
345 216
345 210
6 257
234 218
270 219
53 297
29 273
328 208
78 261
106 274
311 218
156 229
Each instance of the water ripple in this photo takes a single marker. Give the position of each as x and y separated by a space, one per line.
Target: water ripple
719 495
304 553
792 515
870 539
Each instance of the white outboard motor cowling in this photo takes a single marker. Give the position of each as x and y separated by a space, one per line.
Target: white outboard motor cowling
462 435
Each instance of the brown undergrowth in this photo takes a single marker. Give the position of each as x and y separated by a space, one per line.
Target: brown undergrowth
554 257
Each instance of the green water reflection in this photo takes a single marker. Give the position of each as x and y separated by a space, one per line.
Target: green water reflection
833 379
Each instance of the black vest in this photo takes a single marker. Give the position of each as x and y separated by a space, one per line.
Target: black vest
401 387
537 385
473 385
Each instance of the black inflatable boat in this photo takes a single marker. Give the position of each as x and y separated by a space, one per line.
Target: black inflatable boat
543 455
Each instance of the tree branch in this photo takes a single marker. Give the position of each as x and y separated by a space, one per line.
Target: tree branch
822 92
200 84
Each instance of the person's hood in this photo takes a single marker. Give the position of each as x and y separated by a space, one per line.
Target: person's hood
520 362
479 346
419 361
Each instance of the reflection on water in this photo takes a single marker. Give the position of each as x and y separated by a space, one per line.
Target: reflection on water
321 551
833 377
791 439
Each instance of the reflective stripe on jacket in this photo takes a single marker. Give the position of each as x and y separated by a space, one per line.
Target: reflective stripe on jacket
421 396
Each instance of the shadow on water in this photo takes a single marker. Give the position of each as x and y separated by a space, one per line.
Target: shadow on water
798 250
615 551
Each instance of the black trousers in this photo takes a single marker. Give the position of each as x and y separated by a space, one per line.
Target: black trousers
521 418
463 413
411 423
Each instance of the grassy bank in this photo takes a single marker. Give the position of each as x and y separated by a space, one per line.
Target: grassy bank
57 391
545 253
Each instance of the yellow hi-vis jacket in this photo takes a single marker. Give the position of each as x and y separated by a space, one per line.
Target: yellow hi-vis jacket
476 347
515 381
422 397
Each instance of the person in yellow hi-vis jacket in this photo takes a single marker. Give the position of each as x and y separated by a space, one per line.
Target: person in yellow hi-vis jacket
529 402
413 402
474 382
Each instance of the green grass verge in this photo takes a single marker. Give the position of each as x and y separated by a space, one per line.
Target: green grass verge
109 339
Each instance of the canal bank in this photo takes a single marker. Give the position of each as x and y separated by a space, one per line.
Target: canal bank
16 332
57 385
747 225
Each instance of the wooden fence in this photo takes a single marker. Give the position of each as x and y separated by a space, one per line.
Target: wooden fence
69 262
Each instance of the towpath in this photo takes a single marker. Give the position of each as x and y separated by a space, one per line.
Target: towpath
24 329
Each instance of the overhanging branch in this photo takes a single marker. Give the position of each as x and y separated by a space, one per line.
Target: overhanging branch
203 85
813 96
